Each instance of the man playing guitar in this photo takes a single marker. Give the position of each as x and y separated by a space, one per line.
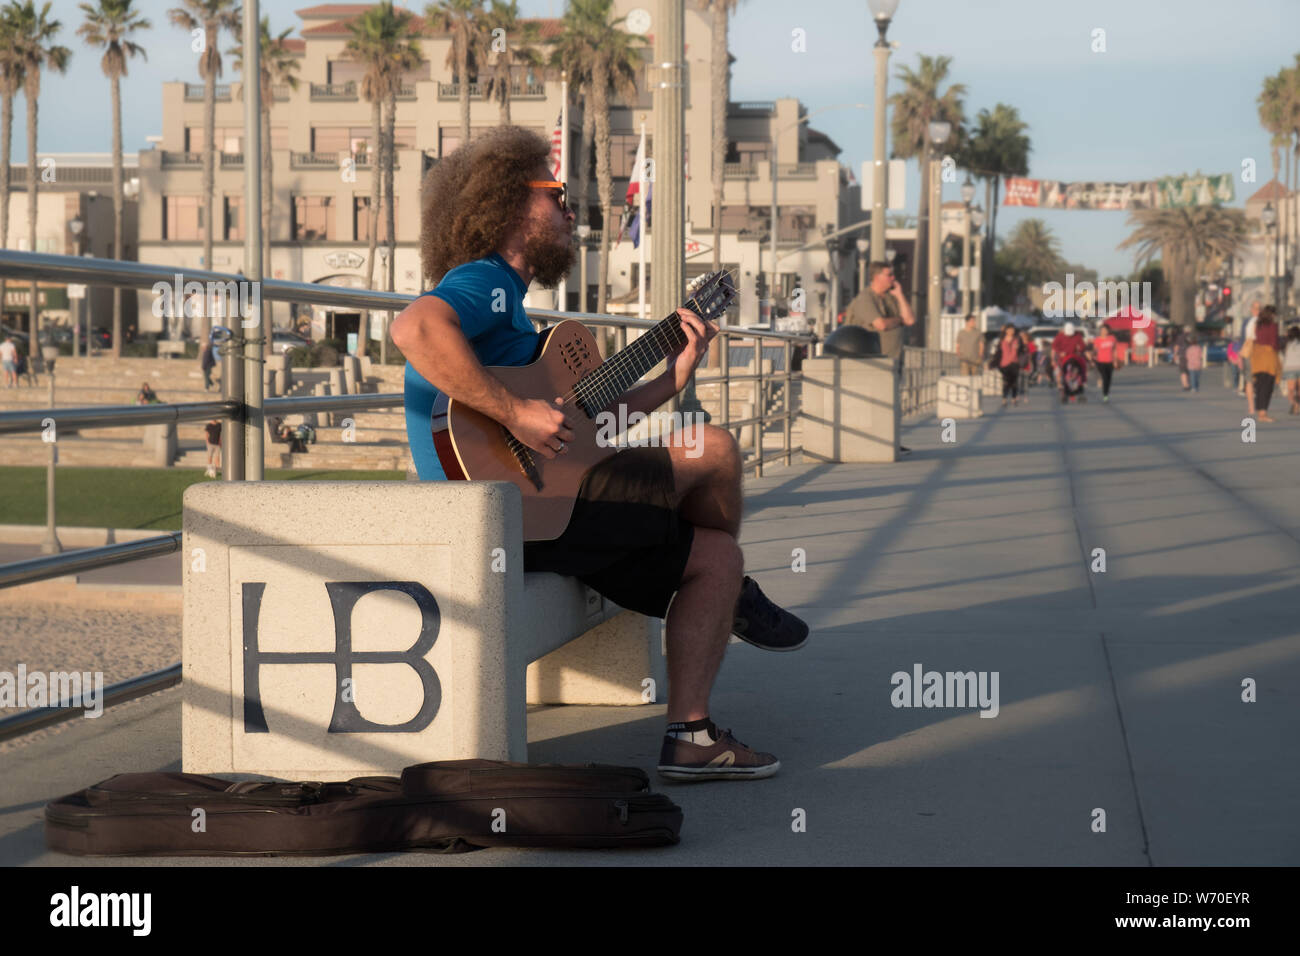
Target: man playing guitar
654 529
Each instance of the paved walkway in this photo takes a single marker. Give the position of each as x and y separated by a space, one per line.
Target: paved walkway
1119 691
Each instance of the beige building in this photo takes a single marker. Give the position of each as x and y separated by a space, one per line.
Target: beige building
74 188
322 170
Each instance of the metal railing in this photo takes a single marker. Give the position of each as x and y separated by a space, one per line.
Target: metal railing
74 269
919 390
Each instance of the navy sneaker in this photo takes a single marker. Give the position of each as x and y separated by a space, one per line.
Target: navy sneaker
764 624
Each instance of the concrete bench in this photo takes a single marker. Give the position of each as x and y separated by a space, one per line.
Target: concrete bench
334 629
851 410
169 348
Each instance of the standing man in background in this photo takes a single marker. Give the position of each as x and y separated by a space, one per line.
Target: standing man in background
883 308
970 347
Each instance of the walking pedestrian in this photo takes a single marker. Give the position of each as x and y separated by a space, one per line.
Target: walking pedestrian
9 362
1291 367
1195 358
970 347
212 436
1006 359
1180 356
1262 351
1103 356
1247 378
207 361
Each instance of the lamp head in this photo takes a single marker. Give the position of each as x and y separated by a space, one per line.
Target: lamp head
939 131
967 191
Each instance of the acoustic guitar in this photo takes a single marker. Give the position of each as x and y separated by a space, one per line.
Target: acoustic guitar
471 446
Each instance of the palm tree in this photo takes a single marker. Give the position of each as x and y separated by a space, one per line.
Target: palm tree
508 52
572 53
34 43
996 147
1274 104
11 81
370 45
1190 240
210 16
110 25
464 20
405 56
915 105
615 59
279 66
1035 251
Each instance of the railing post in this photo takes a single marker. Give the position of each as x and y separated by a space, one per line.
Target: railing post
760 406
51 543
789 398
232 387
725 382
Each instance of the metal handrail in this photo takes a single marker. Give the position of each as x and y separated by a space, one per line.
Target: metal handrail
36 718
87 559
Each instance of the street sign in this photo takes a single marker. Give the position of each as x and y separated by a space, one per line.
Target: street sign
895 185
76 290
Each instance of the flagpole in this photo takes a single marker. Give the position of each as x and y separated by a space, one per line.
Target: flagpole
640 198
562 293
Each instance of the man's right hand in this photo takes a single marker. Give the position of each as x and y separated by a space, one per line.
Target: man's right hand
541 426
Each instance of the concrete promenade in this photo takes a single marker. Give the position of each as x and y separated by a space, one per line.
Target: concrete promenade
1119 691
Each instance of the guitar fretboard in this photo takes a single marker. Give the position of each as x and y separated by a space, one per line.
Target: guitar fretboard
599 387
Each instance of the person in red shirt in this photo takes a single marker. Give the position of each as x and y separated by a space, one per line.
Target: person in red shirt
1068 344
1103 354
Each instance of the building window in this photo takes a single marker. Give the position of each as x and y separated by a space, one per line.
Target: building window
229 139
361 218
354 71
622 153
748 152
234 224
793 222
182 217
356 139
313 217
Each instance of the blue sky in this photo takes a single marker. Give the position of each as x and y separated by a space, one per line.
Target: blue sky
1171 93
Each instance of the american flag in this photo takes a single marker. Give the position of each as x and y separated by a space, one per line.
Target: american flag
556 138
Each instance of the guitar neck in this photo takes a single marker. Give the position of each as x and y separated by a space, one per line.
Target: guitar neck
599 387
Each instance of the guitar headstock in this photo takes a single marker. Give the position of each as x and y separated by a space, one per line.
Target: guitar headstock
711 294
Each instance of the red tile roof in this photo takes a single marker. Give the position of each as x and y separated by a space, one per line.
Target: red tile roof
548 27
1269 192
333 10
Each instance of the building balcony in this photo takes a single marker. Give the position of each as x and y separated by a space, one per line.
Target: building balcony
172 158
334 91
281 92
194 91
796 170
232 160
477 91
315 160
740 171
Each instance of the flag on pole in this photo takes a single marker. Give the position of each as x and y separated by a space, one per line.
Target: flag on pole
631 224
557 150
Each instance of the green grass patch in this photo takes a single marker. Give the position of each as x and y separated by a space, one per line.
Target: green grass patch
146 498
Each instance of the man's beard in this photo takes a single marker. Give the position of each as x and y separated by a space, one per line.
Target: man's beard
549 254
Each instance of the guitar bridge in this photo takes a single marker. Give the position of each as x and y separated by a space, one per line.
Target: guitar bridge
523 458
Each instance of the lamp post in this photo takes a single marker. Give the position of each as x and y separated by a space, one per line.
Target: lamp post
77 226
833 248
977 220
1269 218
882 11
967 194
865 247
939 131
364 337
584 233
823 287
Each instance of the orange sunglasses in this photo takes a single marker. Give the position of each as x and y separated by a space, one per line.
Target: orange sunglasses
562 192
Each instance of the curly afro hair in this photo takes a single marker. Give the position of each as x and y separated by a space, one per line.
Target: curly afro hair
472 199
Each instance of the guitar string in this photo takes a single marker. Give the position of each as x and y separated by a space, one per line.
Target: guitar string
666 334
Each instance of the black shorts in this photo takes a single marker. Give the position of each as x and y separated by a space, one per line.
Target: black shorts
625 539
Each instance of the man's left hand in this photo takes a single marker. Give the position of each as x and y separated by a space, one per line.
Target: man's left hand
682 363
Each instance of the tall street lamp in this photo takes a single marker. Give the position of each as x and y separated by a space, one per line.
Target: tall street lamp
864 247
882 11
1269 218
939 131
977 220
967 194
584 232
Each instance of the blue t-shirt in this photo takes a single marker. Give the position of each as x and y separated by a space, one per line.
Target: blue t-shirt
488 298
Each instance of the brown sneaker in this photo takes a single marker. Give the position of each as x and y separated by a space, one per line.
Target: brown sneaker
727 759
